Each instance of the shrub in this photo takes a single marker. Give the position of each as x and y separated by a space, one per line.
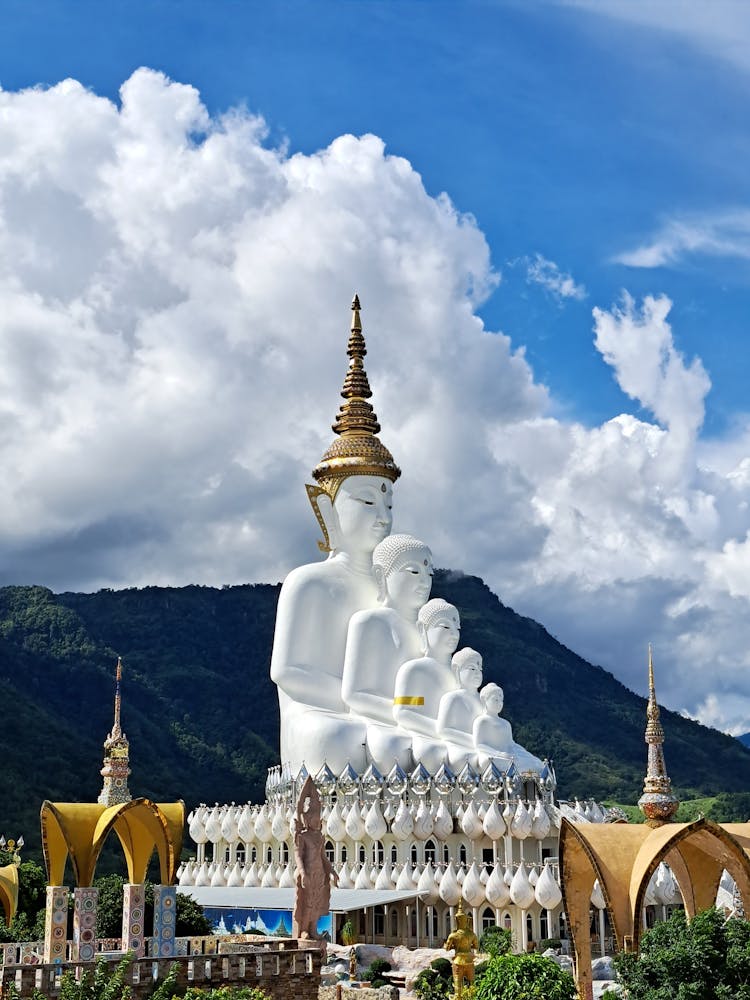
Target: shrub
525 977
443 967
550 943
430 985
496 941
374 973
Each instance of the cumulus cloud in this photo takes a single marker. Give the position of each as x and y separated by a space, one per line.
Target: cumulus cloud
540 271
725 234
173 318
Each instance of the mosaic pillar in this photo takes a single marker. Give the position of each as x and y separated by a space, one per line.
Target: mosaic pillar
133 916
165 916
56 924
84 923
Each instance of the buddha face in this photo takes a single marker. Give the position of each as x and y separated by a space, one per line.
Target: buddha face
470 674
410 581
441 638
363 513
494 702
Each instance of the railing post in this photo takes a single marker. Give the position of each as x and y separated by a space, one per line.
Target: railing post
133 915
165 916
85 899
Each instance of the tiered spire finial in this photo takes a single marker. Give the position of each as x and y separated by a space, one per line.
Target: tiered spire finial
116 755
356 451
658 803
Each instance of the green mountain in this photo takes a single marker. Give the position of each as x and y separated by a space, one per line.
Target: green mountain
202 716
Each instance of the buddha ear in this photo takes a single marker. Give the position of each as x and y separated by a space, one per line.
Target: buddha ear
379 573
422 632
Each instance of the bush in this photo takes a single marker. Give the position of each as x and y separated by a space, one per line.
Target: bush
496 941
227 993
708 957
443 967
525 977
374 973
430 985
550 943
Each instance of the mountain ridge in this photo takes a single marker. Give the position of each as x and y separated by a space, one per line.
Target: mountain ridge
201 711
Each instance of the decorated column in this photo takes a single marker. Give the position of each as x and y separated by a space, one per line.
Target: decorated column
165 916
84 923
133 914
56 924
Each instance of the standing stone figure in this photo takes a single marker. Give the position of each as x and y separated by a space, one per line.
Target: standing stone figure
465 944
312 898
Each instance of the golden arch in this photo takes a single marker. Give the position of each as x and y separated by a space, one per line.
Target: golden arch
624 857
79 829
9 891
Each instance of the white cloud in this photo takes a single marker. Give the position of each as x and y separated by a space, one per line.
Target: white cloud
173 319
540 271
720 28
725 234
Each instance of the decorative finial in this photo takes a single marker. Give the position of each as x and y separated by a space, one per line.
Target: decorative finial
116 755
356 451
658 804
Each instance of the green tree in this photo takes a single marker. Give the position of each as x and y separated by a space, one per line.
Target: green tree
190 920
524 977
496 941
32 896
706 959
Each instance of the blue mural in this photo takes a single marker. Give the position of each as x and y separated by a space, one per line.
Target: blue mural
243 920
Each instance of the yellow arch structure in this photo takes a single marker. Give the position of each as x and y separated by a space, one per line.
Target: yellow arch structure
623 857
79 829
9 891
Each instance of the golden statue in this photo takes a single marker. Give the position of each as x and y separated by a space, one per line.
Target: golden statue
465 943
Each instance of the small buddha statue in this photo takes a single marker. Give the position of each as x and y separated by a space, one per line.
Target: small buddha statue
493 735
459 708
352 501
463 942
421 683
381 639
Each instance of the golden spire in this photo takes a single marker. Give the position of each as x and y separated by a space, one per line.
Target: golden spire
658 804
116 729
356 451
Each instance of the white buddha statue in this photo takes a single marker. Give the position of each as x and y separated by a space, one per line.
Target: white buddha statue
381 639
352 502
421 683
493 736
459 708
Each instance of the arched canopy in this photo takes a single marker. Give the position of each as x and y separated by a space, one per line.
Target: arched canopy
79 829
623 857
9 891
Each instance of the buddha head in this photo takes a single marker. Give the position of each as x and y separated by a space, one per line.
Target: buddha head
439 627
356 471
492 698
467 668
402 567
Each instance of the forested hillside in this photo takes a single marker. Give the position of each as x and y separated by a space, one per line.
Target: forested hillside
202 717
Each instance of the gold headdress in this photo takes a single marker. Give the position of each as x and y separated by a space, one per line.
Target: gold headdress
356 451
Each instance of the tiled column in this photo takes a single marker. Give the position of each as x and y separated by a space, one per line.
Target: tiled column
84 923
56 924
133 916
165 917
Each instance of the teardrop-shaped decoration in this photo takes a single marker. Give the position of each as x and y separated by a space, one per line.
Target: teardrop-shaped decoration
375 825
355 827
471 824
251 880
262 826
493 823
246 824
521 890
403 824
423 822
472 889
287 879
450 891
546 890
428 886
235 876
335 826
279 825
496 890
442 825
520 825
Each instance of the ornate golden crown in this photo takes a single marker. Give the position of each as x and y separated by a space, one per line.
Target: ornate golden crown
357 451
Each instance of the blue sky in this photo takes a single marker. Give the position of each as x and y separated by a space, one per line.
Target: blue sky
171 270
566 132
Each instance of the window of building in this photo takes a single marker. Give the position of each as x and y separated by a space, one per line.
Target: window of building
529 928
362 923
488 858
253 854
362 854
394 923
378 854
241 853
330 851
269 855
378 921
285 852
394 854
462 853
446 854
507 922
429 851
413 922
413 854
343 852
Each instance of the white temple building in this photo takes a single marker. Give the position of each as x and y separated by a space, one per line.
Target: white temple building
427 799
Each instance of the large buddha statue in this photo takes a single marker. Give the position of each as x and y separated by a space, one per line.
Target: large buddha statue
460 707
352 501
381 639
421 683
493 735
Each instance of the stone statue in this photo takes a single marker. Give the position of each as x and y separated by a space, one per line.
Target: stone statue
312 897
459 708
381 639
421 683
352 502
493 736
352 964
465 943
